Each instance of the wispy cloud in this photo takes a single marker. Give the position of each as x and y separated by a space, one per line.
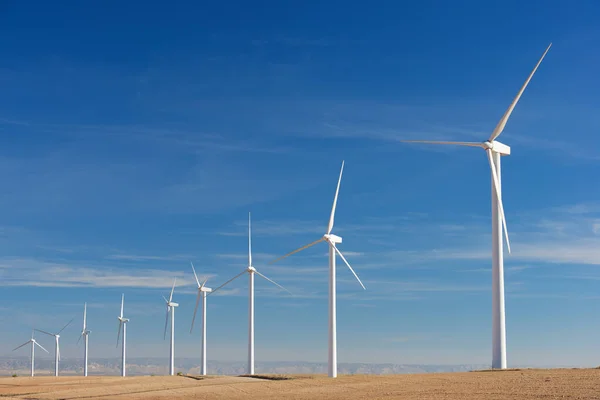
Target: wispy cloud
582 208
276 228
242 256
135 257
32 272
558 147
564 235
348 254
190 141
582 251
399 339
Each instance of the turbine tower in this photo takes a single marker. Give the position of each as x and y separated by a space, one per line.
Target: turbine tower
84 334
171 308
122 327
331 240
33 344
202 292
251 271
495 150
56 345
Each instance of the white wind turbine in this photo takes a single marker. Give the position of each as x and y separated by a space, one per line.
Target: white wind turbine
202 292
33 344
251 271
494 150
56 345
84 334
171 308
123 327
331 240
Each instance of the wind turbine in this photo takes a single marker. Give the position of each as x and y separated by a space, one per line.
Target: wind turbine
331 240
495 150
171 308
84 334
122 326
56 345
202 292
251 271
33 344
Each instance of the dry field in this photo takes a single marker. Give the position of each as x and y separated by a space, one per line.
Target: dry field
518 384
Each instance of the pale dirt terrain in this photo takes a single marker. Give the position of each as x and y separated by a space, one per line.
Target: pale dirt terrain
524 384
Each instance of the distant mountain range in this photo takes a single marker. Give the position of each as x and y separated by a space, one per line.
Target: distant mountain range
158 366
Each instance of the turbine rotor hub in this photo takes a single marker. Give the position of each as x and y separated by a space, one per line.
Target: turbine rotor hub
332 238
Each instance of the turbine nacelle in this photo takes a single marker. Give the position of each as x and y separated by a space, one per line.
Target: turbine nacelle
201 289
172 304
497 147
335 239
251 269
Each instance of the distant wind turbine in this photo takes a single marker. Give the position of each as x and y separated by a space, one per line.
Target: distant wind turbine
33 344
171 308
251 271
495 150
202 292
56 345
331 240
84 333
123 327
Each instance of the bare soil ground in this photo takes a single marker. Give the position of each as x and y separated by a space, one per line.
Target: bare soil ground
516 384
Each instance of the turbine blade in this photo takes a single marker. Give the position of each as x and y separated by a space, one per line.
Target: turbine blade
119 332
24 344
47 333
172 290
122 302
337 191
80 336
499 197
249 241
273 282
468 144
502 123
195 309
84 315
63 328
166 301
166 322
41 347
235 277
195 276
297 250
348 264
204 283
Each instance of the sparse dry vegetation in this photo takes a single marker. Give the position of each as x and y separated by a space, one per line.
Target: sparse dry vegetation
504 385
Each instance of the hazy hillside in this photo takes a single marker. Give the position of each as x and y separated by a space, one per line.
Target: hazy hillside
158 366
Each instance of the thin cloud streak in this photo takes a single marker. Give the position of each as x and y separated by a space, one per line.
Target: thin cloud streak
31 272
134 257
584 251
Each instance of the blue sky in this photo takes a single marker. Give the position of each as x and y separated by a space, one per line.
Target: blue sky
136 138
